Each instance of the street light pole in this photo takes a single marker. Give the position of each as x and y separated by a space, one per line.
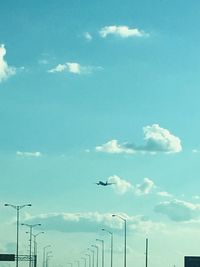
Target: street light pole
97 253
92 256
89 256
84 261
146 262
31 226
102 243
35 246
47 258
111 246
123 219
44 254
17 208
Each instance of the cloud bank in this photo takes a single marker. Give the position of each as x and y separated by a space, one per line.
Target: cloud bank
5 70
121 31
157 139
90 222
178 210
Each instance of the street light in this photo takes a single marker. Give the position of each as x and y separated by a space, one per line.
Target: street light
123 219
35 243
70 263
35 246
31 226
94 246
44 254
17 208
84 261
92 256
102 243
111 246
78 263
89 256
47 257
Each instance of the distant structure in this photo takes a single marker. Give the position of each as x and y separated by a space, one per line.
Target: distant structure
192 261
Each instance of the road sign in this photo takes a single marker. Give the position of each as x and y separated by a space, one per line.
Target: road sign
7 257
192 261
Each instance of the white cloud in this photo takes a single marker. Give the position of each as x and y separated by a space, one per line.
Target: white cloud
113 147
164 194
196 197
178 210
195 151
29 154
120 185
157 139
145 188
88 36
5 70
160 139
91 222
74 68
122 31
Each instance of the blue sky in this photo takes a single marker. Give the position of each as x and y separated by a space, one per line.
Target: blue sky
101 90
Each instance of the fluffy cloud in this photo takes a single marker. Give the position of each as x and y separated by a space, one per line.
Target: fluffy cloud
120 185
178 210
90 222
113 147
29 154
5 70
145 188
74 68
121 31
157 139
160 139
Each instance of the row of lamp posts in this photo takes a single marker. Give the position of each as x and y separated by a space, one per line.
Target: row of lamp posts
46 257
31 226
102 246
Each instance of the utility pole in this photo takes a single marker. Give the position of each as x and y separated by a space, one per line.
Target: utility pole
146 253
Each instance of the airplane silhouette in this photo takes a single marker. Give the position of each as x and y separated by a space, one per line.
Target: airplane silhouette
104 183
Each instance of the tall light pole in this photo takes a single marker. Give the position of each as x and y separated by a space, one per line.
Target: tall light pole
89 256
146 253
31 226
111 245
83 258
78 263
47 257
44 254
35 246
70 263
94 246
102 243
123 219
92 256
17 208
35 243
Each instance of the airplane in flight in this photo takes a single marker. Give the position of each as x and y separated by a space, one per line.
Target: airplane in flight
104 183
